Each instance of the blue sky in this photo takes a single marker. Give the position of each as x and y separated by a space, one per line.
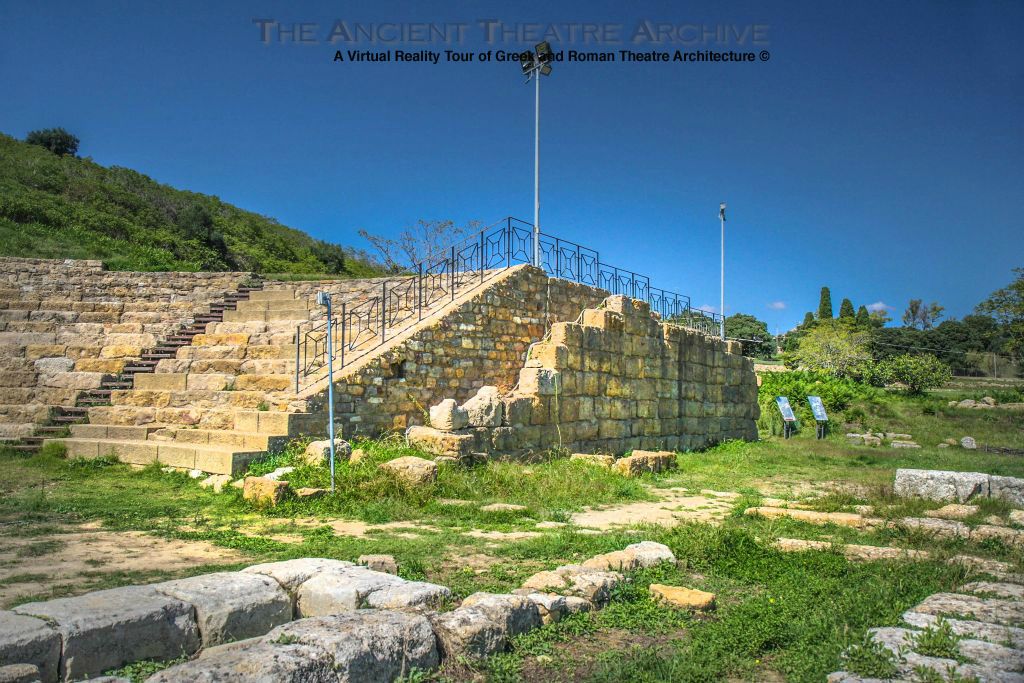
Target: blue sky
879 151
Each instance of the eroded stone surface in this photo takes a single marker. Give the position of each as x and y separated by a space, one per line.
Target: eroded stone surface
991 610
941 485
232 605
109 628
412 470
516 613
29 640
259 661
685 598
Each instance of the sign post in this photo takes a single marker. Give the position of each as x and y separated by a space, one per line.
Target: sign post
820 416
788 418
324 299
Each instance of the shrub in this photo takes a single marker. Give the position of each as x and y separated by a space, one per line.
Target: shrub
836 393
834 349
916 372
57 140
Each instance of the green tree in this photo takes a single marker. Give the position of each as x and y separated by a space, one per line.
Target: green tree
825 304
922 316
808 320
915 372
863 318
1006 305
834 349
57 140
747 328
846 311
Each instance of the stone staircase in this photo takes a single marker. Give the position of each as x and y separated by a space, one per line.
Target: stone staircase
215 399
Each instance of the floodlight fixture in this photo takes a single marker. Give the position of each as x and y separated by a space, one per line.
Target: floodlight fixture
535 65
545 70
544 54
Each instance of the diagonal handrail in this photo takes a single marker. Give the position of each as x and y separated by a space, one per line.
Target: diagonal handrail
360 329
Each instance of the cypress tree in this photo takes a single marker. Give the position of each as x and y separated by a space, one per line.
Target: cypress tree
863 318
825 305
808 320
846 310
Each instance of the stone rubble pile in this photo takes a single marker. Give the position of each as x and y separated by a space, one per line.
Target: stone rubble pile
896 440
985 403
311 619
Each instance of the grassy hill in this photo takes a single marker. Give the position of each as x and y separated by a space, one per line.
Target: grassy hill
65 207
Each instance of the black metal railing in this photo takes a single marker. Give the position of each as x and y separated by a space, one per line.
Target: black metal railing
358 329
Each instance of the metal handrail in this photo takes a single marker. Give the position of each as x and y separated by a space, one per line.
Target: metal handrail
361 328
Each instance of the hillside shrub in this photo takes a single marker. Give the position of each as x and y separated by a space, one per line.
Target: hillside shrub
836 393
915 372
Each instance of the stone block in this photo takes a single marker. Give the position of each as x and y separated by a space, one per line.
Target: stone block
941 485
441 443
262 660
412 470
379 563
368 645
685 598
110 628
52 366
466 631
121 351
264 492
539 381
28 640
319 452
232 605
641 462
448 416
516 613
19 673
1010 489
291 574
485 409
518 410
108 366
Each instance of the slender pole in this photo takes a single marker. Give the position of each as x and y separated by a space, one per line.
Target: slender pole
722 216
330 384
536 168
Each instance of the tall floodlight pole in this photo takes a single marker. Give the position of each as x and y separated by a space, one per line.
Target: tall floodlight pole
535 65
324 299
721 216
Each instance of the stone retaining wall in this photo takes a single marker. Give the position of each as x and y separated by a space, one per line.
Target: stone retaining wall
482 342
616 381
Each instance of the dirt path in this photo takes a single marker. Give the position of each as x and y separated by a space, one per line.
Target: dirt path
676 506
74 559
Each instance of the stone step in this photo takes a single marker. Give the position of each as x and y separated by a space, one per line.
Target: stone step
212 459
188 398
297 315
272 295
272 305
115 432
222 437
279 423
173 381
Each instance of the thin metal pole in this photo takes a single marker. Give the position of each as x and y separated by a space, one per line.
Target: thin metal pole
722 216
330 385
536 169
297 332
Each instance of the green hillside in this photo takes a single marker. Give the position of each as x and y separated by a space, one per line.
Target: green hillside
65 207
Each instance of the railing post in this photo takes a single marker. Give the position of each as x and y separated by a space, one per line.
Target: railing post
482 243
342 327
508 242
383 309
419 292
451 270
297 329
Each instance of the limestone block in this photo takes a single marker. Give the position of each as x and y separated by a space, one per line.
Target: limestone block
467 631
940 485
237 339
441 443
293 573
32 641
1010 489
319 452
485 409
344 590
518 410
368 645
110 628
261 660
686 598
515 613
52 366
448 416
73 380
121 351
552 607
37 351
641 462
953 511
412 470
617 560
379 563
263 491
648 553
232 605
19 673
539 381
591 584
108 366
549 355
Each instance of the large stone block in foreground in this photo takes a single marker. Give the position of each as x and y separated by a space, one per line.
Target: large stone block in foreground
941 485
254 662
232 605
27 640
110 628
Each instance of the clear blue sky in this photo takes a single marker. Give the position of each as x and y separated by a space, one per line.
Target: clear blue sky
880 151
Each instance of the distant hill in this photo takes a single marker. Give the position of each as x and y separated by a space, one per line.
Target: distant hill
67 207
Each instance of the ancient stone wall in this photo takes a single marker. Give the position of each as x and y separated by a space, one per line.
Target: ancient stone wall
482 341
67 324
615 381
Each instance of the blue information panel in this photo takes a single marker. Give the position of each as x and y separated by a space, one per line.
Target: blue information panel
818 408
785 409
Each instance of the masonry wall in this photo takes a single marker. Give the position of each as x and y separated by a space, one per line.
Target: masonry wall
615 381
482 342
65 324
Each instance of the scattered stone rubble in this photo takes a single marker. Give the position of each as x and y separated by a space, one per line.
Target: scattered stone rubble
985 403
311 619
895 439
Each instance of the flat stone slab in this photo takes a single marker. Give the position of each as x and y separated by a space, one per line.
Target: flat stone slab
351 588
941 485
990 610
110 628
1009 591
256 662
980 630
19 673
810 516
232 605
940 528
293 573
367 645
953 511
27 640
516 613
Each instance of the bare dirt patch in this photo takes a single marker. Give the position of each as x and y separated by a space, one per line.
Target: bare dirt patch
675 506
74 559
